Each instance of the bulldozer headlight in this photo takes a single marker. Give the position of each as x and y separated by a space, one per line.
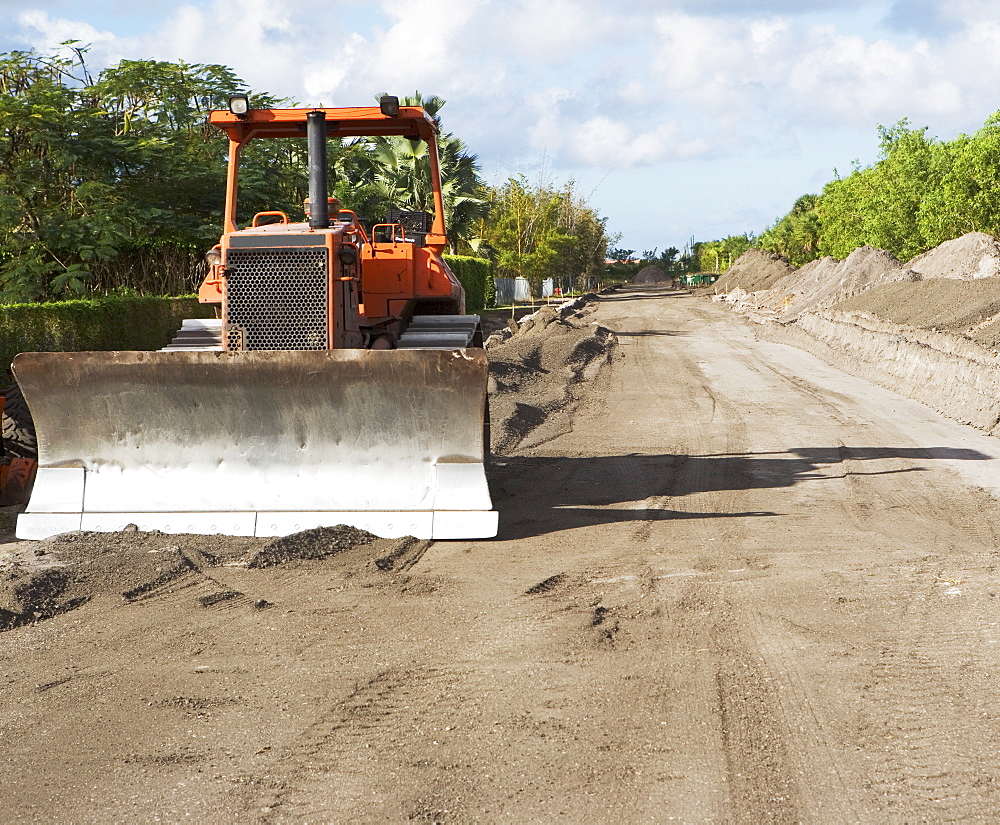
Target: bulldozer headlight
214 256
239 105
389 105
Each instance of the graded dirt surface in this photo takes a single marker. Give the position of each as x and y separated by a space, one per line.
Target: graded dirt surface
733 585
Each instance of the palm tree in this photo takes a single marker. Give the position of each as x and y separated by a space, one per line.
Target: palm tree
398 175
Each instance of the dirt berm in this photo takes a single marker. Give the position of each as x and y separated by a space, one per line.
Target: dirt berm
928 328
651 274
538 367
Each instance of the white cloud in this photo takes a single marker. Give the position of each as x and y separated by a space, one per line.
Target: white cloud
798 75
46 33
601 141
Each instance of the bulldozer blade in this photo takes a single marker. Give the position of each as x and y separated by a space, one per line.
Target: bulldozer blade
259 443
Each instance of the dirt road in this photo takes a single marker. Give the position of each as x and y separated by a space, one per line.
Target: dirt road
740 587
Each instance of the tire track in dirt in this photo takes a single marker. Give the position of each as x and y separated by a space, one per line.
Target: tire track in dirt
721 695
667 740
930 725
934 743
828 775
778 722
685 487
334 770
731 674
806 731
859 442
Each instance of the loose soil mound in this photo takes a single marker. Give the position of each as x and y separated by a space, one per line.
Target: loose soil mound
960 307
828 281
651 274
317 543
754 270
537 371
40 580
974 255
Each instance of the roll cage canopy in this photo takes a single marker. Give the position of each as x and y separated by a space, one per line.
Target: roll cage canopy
362 121
411 122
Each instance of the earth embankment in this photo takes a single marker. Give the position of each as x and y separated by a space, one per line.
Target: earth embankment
928 328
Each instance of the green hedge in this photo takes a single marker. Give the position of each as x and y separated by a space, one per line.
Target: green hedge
102 324
476 277
142 323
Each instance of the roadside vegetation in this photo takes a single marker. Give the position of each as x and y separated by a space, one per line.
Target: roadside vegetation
920 192
114 184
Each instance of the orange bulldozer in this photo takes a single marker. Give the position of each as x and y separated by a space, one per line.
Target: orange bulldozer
341 383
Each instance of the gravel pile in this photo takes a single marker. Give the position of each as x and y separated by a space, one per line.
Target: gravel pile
537 369
651 274
317 543
39 580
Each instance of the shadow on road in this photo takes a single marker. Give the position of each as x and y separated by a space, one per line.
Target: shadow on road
542 494
644 293
673 333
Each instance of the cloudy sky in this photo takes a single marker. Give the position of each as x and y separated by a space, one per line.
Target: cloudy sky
677 118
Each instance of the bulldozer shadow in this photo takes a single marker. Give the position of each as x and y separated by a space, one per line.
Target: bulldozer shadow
543 494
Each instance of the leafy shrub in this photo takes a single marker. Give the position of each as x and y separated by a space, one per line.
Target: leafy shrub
98 324
476 277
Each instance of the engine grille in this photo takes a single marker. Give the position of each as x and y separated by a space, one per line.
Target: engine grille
276 299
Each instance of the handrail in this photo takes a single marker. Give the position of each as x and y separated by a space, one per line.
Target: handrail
284 217
396 238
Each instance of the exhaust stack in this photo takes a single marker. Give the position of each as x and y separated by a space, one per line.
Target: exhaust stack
319 214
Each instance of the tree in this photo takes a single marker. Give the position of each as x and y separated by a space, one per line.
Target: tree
797 235
384 172
718 256
881 205
537 232
58 206
118 181
967 199
622 266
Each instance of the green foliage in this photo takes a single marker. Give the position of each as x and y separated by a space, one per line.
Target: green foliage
58 208
476 277
881 205
919 193
375 174
118 181
718 256
797 235
538 232
100 177
100 324
623 265
967 199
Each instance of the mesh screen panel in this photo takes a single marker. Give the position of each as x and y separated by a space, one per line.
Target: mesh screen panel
276 299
